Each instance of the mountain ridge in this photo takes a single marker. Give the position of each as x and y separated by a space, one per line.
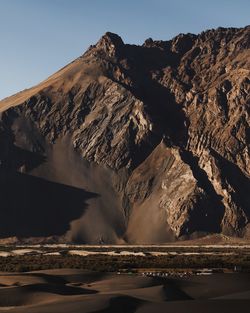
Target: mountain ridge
160 132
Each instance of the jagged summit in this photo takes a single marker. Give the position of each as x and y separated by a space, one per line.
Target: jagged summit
151 142
109 45
111 39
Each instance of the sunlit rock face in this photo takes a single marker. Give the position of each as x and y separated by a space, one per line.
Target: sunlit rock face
142 144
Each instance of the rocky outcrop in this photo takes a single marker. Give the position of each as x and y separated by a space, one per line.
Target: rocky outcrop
158 133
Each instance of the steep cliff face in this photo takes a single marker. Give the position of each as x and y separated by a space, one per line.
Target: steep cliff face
156 135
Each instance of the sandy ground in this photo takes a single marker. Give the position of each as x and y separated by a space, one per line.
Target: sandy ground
118 251
74 291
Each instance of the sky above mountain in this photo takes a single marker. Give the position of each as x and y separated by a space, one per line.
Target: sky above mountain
38 37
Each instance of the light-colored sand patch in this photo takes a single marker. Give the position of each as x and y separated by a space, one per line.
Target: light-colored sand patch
5 254
52 253
85 253
112 253
132 253
25 251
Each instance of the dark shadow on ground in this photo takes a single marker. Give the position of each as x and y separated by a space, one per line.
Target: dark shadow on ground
122 304
32 207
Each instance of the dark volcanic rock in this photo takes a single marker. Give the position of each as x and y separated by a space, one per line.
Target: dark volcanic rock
158 132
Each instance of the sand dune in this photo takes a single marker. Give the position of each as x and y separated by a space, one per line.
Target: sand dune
206 306
74 291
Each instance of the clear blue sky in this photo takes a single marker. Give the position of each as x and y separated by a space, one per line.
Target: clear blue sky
37 37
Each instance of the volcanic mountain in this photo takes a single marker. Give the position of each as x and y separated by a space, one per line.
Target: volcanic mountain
136 144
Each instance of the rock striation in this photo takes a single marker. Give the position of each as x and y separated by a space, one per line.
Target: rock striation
157 136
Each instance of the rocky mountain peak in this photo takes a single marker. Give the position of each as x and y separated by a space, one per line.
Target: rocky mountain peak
182 43
155 137
110 44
